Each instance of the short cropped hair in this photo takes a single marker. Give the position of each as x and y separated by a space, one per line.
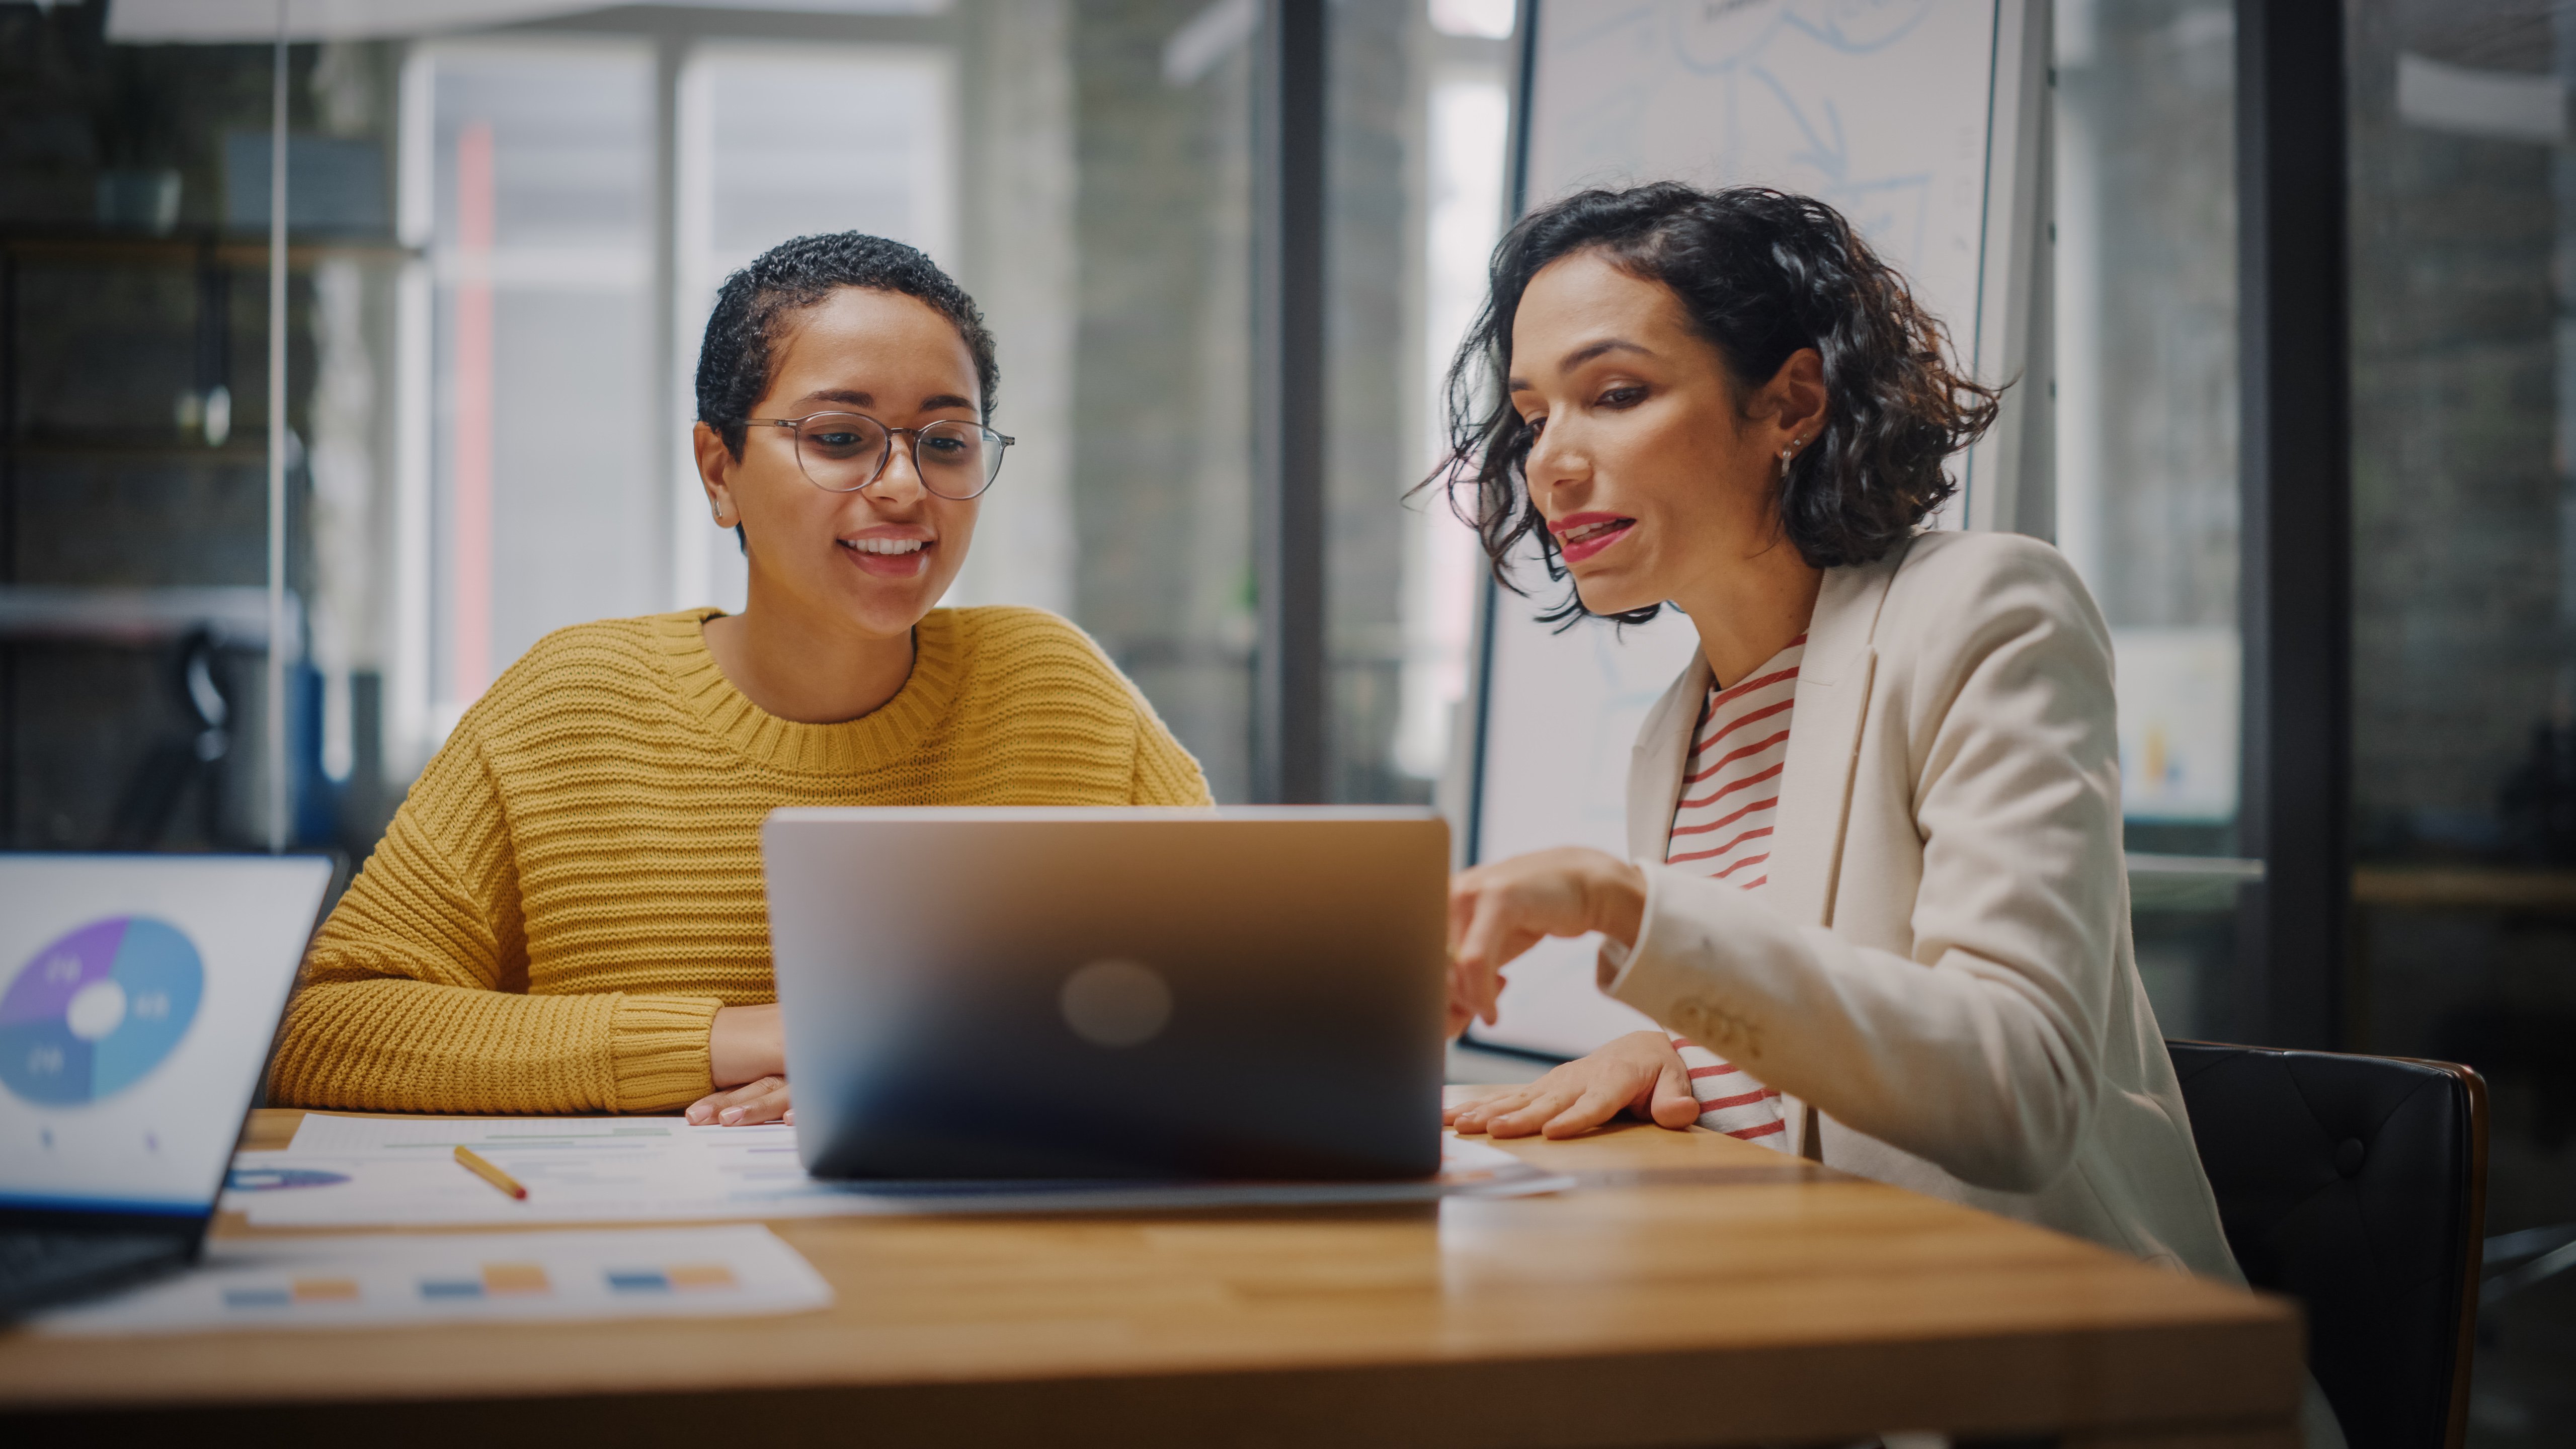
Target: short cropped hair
1761 274
735 362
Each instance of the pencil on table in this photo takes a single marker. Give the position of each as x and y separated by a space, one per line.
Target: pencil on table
489 1173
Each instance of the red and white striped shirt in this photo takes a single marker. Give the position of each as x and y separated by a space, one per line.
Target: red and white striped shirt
1722 827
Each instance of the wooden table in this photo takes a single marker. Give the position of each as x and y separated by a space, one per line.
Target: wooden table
1694 1290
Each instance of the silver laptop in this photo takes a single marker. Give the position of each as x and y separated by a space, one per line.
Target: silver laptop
139 995
1112 993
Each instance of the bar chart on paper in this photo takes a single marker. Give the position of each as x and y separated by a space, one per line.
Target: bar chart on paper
378 1280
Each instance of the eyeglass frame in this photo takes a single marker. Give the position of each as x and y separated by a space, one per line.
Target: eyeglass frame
912 446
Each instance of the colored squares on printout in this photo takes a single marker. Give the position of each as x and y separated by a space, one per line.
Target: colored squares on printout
681 1278
502 1279
97 1009
496 1280
287 1295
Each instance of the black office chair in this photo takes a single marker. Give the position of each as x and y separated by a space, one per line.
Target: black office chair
2356 1185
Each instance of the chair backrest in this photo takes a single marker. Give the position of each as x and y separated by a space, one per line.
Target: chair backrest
2356 1185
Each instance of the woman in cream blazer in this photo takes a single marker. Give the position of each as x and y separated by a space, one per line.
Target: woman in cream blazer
1723 402
1940 977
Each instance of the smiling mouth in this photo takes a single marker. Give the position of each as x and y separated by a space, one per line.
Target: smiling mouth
885 545
890 558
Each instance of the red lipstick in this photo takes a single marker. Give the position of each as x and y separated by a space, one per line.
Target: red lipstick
1581 535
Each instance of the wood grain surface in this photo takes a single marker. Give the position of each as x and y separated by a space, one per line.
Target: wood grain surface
1692 1290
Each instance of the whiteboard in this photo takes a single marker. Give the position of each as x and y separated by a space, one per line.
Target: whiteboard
1918 120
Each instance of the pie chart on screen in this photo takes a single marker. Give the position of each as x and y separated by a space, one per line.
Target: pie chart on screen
96 1010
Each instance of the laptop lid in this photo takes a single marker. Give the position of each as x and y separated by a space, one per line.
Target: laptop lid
1024 992
139 997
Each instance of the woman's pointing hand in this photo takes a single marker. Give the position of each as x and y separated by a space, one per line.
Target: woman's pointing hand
1498 911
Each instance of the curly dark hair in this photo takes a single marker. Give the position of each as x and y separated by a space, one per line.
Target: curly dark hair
734 361
1761 274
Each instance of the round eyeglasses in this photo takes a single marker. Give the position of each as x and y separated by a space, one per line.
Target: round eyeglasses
845 452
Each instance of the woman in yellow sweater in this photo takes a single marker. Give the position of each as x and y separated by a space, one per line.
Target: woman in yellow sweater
566 915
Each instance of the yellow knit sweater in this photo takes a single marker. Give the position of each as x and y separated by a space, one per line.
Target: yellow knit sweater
573 886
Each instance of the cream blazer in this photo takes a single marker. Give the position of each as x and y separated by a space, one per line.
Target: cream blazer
1939 974
1940 967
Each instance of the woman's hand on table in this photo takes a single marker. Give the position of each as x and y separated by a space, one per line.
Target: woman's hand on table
1639 1073
1498 911
747 1057
763 1099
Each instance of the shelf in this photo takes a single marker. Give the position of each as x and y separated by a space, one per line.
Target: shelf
187 248
2188 882
242 449
2466 887
143 618
2209 883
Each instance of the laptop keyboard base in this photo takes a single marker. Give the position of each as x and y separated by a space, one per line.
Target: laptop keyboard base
40 1268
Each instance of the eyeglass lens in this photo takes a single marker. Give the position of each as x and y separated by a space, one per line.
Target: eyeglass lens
843 452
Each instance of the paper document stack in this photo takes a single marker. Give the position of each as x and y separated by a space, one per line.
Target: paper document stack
401 1172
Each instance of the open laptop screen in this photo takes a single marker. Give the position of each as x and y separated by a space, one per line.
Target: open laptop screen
138 997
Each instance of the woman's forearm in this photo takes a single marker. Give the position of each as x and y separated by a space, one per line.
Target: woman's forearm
393 1045
1963 1062
1615 900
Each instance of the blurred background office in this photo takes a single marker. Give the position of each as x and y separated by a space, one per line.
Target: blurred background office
504 237
505 243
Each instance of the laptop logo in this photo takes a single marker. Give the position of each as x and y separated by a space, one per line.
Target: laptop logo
1116 1003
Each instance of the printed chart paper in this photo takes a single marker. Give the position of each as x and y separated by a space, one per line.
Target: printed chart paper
401 1172
379 1281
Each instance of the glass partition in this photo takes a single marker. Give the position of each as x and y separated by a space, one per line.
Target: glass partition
134 441
2464 619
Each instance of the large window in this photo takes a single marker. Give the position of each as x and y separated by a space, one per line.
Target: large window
1420 115
2146 441
563 490
1087 172
539 230
777 142
1468 116
1158 352
579 193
